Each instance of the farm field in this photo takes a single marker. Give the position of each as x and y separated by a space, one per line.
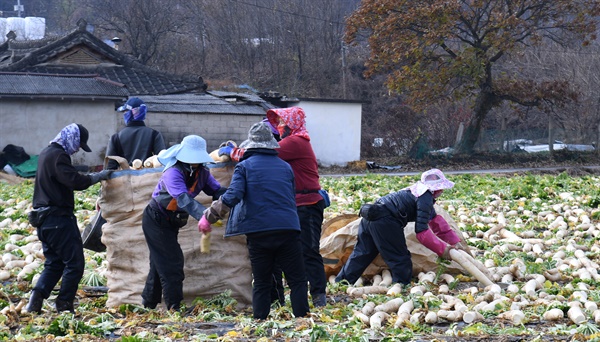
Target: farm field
536 233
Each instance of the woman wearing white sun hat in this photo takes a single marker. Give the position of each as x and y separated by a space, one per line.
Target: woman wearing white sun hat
382 222
184 176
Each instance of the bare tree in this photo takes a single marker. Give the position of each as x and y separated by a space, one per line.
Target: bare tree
144 26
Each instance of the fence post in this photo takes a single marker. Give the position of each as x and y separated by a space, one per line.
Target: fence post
550 134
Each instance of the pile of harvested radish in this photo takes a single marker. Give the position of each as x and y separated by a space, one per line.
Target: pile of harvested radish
533 274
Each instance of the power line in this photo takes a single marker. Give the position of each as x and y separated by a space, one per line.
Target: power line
289 13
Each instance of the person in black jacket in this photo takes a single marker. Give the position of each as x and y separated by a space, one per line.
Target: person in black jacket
56 179
381 229
136 140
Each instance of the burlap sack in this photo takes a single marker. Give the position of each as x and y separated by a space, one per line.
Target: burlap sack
124 198
339 237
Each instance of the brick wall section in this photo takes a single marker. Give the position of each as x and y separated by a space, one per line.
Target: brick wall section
215 128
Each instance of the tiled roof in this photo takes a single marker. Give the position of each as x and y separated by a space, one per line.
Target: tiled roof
36 85
210 102
80 52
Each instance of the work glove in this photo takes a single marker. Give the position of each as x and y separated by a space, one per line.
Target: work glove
226 149
98 176
429 240
442 230
446 254
203 225
217 211
463 247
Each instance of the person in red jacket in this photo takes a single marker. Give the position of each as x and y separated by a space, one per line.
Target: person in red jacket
295 148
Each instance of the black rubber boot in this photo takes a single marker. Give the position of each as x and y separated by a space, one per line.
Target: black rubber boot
149 305
320 300
35 302
64 305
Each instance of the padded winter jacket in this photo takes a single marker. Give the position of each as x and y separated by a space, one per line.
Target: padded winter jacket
261 195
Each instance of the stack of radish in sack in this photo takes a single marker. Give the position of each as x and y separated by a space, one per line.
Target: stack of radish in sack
224 158
150 163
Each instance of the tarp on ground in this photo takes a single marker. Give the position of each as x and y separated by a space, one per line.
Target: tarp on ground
339 237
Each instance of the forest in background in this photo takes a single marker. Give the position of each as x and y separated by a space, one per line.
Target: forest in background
296 48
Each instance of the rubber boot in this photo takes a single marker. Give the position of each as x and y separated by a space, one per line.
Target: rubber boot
149 305
64 305
35 302
320 300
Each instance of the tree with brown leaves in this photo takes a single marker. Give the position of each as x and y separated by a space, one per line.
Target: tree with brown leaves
435 50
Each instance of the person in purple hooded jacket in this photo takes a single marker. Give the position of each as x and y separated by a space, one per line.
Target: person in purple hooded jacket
173 201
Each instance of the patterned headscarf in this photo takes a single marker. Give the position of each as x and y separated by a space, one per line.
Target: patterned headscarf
292 117
68 138
135 114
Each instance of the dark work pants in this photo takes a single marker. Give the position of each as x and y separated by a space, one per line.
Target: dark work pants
385 236
165 277
282 248
63 250
311 221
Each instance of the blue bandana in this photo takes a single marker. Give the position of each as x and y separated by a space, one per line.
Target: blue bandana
135 114
68 138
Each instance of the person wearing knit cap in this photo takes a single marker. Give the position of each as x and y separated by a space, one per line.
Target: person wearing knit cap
136 140
381 229
260 203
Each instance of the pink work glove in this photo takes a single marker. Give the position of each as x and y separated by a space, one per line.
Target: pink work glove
204 226
429 240
442 229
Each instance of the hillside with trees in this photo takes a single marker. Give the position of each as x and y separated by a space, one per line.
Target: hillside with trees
500 70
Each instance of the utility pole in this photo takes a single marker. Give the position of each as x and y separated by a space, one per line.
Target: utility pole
19 8
343 69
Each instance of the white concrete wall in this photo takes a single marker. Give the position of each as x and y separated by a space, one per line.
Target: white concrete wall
335 130
32 124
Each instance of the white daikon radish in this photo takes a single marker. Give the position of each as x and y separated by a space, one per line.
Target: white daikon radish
386 278
404 313
431 318
390 306
332 279
554 314
515 316
447 278
418 290
362 317
576 315
596 316
376 279
368 309
396 289
378 319
359 282
461 259
137 164
472 317
374 289
452 316
428 277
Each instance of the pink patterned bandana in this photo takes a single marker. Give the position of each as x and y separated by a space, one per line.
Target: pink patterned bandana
292 117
